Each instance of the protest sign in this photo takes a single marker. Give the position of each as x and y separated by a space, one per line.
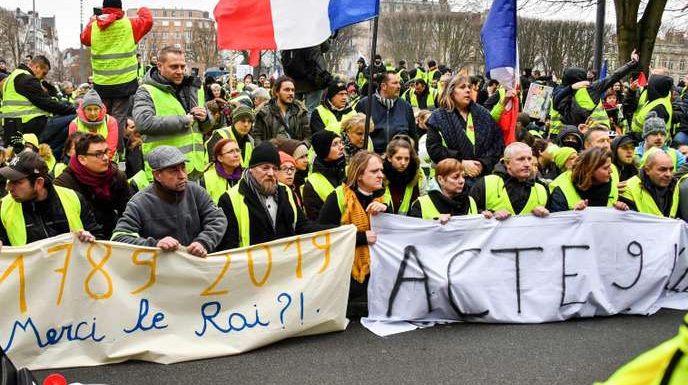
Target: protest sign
66 303
538 101
595 262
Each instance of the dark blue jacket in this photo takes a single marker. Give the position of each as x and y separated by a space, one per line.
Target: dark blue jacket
398 120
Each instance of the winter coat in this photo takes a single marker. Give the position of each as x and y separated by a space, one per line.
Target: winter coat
317 122
270 124
307 67
459 205
112 128
450 127
389 122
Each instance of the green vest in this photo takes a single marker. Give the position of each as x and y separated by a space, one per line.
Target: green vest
429 76
571 194
555 123
227 133
59 169
242 215
113 53
189 142
644 202
320 185
405 204
598 115
498 109
496 197
429 100
330 120
361 79
215 184
640 116
420 74
16 105
12 215
429 210
139 180
101 130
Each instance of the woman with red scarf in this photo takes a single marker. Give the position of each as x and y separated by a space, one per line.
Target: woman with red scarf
93 175
91 116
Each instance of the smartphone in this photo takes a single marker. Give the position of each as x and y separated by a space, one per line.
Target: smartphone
97 11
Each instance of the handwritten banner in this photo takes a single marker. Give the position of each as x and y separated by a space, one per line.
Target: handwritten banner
596 262
66 303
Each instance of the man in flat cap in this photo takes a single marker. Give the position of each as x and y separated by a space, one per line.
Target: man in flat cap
171 213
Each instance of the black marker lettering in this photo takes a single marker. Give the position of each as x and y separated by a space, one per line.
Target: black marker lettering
452 302
409 251
637 253
564 275
517 254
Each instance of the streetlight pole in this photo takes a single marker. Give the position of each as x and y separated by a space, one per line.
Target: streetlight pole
35 27
81 46
599 36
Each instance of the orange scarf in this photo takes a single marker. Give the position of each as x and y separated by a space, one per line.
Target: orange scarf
356 215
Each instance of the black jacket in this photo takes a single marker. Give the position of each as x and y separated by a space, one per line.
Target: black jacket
334 172
307 67
664 197
389 122
46 218
261 229
458 205
519 192
489 144
106 212
597 196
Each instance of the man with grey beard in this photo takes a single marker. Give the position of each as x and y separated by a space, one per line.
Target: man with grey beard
258 209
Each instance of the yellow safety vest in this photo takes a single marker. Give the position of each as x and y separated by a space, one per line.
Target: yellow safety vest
12 215
571 194
59 169
139 180
430 75
242 215
429 100
330 120
101 130
555 123
429 210
227 133
360 80
215 184
189 142
320 185
16 105
496 197
640 116
113 53
405 201
644 203
498 109
598 115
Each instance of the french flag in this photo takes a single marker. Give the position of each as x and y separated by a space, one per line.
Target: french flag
286 24
498 36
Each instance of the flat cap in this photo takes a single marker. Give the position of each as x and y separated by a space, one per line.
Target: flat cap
165 156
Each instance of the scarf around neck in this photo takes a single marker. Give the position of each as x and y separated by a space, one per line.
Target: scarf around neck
387 102
98 183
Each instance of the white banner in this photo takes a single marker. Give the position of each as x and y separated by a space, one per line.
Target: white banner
595 262
66 303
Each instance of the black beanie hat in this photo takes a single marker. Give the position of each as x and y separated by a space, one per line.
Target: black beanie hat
322 141
112 4
335 87
265 152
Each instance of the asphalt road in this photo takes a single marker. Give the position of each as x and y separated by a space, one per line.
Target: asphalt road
572 352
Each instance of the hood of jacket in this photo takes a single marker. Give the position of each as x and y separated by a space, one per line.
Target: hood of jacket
573 75
659 86
570 130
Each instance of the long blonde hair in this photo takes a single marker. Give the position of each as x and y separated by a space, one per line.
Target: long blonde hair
357 166
446 99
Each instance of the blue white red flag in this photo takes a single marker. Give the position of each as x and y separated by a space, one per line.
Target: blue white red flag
603 71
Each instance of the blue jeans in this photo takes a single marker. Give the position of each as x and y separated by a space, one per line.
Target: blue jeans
55 133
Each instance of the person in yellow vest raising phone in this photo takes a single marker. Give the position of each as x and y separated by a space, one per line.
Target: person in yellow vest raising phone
35 209
334 109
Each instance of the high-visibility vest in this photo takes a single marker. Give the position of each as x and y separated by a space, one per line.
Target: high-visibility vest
644 202
360 79
242 215
215 184
59 169
430 75
189 142
412 98
12 215
571 194
420 74
555 123
330 120
227 133
598 115
496 197
101 130
113 53
139 180
16 105
666 364
429 210
320 185
498 109
640 116
405 204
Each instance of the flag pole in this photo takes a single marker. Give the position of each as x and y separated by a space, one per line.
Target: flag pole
366 136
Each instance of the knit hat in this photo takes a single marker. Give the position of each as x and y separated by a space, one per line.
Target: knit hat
286 158
91 98
361 60
112 3
265 152
165 156
25 164
293 147
562 155
335 88
322 141
653 124
241 112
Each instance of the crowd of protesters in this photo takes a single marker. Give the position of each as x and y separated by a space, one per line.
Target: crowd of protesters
152 156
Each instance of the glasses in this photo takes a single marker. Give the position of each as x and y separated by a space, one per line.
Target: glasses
233 151
99 154
288 170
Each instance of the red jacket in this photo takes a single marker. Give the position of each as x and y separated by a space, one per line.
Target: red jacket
140 25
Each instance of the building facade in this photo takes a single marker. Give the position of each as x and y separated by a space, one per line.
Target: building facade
26 33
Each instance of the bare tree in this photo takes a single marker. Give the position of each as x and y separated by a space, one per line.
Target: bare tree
204 45
12 38
340 48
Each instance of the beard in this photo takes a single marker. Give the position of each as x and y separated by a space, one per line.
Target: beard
268 186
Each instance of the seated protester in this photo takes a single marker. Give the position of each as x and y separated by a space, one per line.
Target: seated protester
334 109
588 184
544 151
570 136
299 151
91 116
564 158
353 135
35 209
286 175
171 213
654 190
225 171
327 171
133 152
426 164
450 200
242 122
623 150
403 178
259 209
511 189
655 135
68 153
351 203
103 186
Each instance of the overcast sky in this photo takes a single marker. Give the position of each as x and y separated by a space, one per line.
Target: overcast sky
67 12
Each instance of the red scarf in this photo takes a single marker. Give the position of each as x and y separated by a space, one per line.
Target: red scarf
99 183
